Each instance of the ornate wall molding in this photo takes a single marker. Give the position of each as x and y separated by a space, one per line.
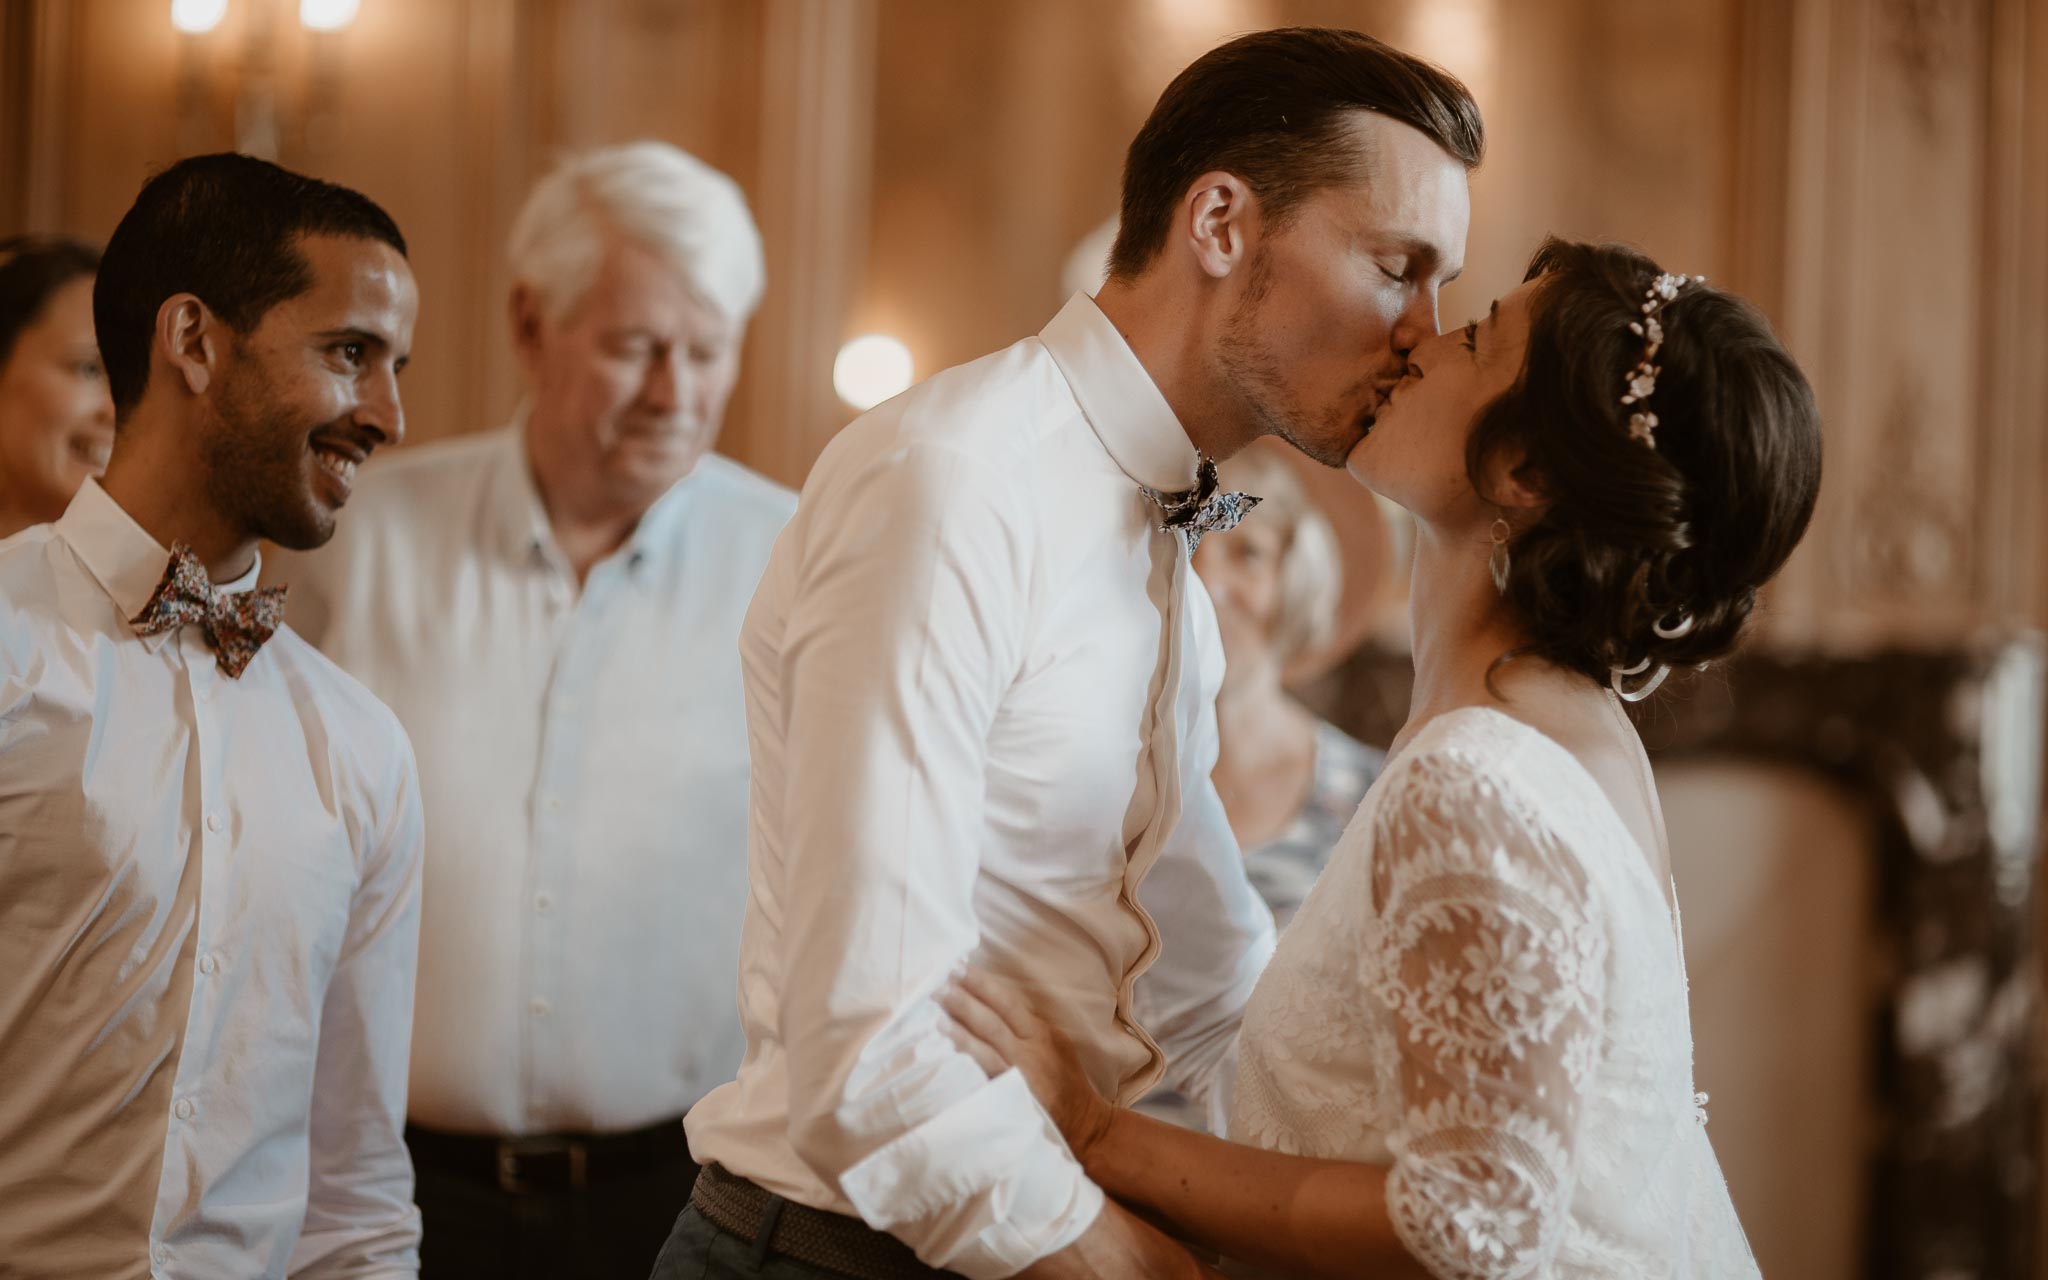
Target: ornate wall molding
1904 148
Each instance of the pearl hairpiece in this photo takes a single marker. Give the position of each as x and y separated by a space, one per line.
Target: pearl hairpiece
1642 380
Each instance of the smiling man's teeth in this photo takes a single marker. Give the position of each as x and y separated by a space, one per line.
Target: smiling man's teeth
336 465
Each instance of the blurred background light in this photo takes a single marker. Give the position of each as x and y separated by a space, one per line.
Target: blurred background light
871 368
197 17
327 15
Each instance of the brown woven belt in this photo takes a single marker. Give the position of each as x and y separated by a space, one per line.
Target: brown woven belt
833 1241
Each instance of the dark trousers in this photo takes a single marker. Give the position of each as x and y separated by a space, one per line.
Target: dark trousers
608 1229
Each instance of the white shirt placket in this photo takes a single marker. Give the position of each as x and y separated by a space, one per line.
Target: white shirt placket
557 795
214 828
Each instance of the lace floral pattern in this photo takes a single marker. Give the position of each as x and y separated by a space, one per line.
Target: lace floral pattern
1484 992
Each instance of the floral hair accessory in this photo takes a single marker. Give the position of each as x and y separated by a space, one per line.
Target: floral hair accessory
1642 380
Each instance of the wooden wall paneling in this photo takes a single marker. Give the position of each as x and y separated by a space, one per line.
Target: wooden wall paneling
493 133
425 92
813 197
52 51
18 83
1889 238
2012 280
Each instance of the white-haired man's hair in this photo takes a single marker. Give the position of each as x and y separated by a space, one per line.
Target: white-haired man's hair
659 196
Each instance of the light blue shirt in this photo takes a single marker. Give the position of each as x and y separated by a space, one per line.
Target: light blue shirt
583 761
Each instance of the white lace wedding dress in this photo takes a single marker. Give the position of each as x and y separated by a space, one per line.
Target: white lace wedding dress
1485 992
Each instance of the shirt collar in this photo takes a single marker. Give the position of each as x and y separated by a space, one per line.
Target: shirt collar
515 499
121 555
1129 413
523 526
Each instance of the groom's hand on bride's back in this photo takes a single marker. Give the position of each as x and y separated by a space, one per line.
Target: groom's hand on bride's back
993 1023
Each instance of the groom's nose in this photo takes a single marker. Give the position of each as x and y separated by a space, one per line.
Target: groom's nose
1417 322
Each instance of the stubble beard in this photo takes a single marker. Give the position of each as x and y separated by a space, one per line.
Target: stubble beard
256 464
1252 376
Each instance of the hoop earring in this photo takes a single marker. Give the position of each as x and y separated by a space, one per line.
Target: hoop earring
1676 631
1497 559
1617 676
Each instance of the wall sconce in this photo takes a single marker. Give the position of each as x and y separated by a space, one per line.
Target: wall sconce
259 123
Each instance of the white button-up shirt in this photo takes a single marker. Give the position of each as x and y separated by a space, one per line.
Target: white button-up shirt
583 758
980 695
209 915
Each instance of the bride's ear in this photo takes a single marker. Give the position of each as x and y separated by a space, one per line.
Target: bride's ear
1512 482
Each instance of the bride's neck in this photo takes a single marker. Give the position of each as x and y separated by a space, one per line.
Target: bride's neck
1458 624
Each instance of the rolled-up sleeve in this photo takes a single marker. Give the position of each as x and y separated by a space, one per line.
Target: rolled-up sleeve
360 1220
908 623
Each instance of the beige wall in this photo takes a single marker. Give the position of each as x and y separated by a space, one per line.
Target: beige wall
1874 172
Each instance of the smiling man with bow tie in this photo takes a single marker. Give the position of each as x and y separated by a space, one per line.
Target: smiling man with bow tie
209 835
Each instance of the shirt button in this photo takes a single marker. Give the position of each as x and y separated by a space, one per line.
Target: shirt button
184 1109
552 802
543 902
213 822
538 1007
207 964
161 1254
206 693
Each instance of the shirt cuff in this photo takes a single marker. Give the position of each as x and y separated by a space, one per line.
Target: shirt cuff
986 1187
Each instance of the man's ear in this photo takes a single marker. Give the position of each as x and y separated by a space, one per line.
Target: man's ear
191 339
1219 215
523 309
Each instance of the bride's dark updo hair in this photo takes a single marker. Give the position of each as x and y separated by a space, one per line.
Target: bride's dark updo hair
1632 535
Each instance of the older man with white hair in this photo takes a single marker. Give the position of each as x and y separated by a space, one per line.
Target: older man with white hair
553 610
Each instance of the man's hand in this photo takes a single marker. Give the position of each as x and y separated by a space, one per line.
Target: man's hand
994 1025
1117 1246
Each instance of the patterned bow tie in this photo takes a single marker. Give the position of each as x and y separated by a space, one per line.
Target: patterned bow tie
236 623
1201 509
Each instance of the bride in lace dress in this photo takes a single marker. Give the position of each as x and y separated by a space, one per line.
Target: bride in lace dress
1471 1055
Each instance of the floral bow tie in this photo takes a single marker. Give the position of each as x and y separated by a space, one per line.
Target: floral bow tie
236 623
1201 509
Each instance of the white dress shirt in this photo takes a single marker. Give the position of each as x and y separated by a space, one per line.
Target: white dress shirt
980 696
583 758
209 915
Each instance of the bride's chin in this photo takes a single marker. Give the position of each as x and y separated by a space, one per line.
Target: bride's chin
1355 461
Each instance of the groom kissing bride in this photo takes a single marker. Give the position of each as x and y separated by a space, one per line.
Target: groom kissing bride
994 898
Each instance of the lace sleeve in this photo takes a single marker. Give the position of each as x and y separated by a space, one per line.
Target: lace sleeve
1489 959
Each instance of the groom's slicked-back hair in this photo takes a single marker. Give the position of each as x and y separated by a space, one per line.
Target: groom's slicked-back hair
224 228
1272 108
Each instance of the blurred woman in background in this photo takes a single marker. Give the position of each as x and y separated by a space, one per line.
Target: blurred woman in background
56 418
1289 781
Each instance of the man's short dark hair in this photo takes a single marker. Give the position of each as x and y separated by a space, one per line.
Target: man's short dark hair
1272 108
224 228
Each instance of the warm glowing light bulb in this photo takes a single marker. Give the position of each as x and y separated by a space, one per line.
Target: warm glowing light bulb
197 17
327 15
871 368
